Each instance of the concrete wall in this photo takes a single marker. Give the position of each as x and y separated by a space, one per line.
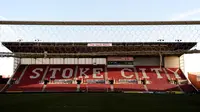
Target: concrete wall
171 62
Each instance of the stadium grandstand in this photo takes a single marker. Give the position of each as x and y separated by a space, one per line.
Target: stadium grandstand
100 66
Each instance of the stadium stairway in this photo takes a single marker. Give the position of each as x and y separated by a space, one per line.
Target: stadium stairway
145 87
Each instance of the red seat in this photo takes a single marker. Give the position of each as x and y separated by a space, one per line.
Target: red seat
26 75
83 87
91 72
119 74
61 88
94 78
128 87
158 81
25 88
19 71
163 87
97 87
178 71
60 74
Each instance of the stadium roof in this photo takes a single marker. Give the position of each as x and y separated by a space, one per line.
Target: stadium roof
30 49
139 30
100 31
98 22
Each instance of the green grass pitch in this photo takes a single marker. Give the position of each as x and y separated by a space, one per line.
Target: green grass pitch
98 102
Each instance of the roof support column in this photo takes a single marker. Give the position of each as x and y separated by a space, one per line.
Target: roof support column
161 60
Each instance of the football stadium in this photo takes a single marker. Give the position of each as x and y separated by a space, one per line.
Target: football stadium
144 73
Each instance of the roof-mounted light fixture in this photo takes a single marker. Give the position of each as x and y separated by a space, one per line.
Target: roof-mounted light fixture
178 40
19 40
37 40
160 40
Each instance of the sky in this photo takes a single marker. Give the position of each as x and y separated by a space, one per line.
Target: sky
99 10
96 10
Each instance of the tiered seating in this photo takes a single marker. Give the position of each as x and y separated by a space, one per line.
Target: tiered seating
25 88
29 77
119 74
87 74
156 78
63 78
58 74
95 87
61 88
184 87
172 71
162 87
26 80
19 72
93 79
128 87
91 72
83 87
125 79
61 72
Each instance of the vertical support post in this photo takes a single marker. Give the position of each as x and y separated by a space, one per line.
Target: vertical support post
161 61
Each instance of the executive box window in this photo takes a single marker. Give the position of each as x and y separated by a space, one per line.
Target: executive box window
120 62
